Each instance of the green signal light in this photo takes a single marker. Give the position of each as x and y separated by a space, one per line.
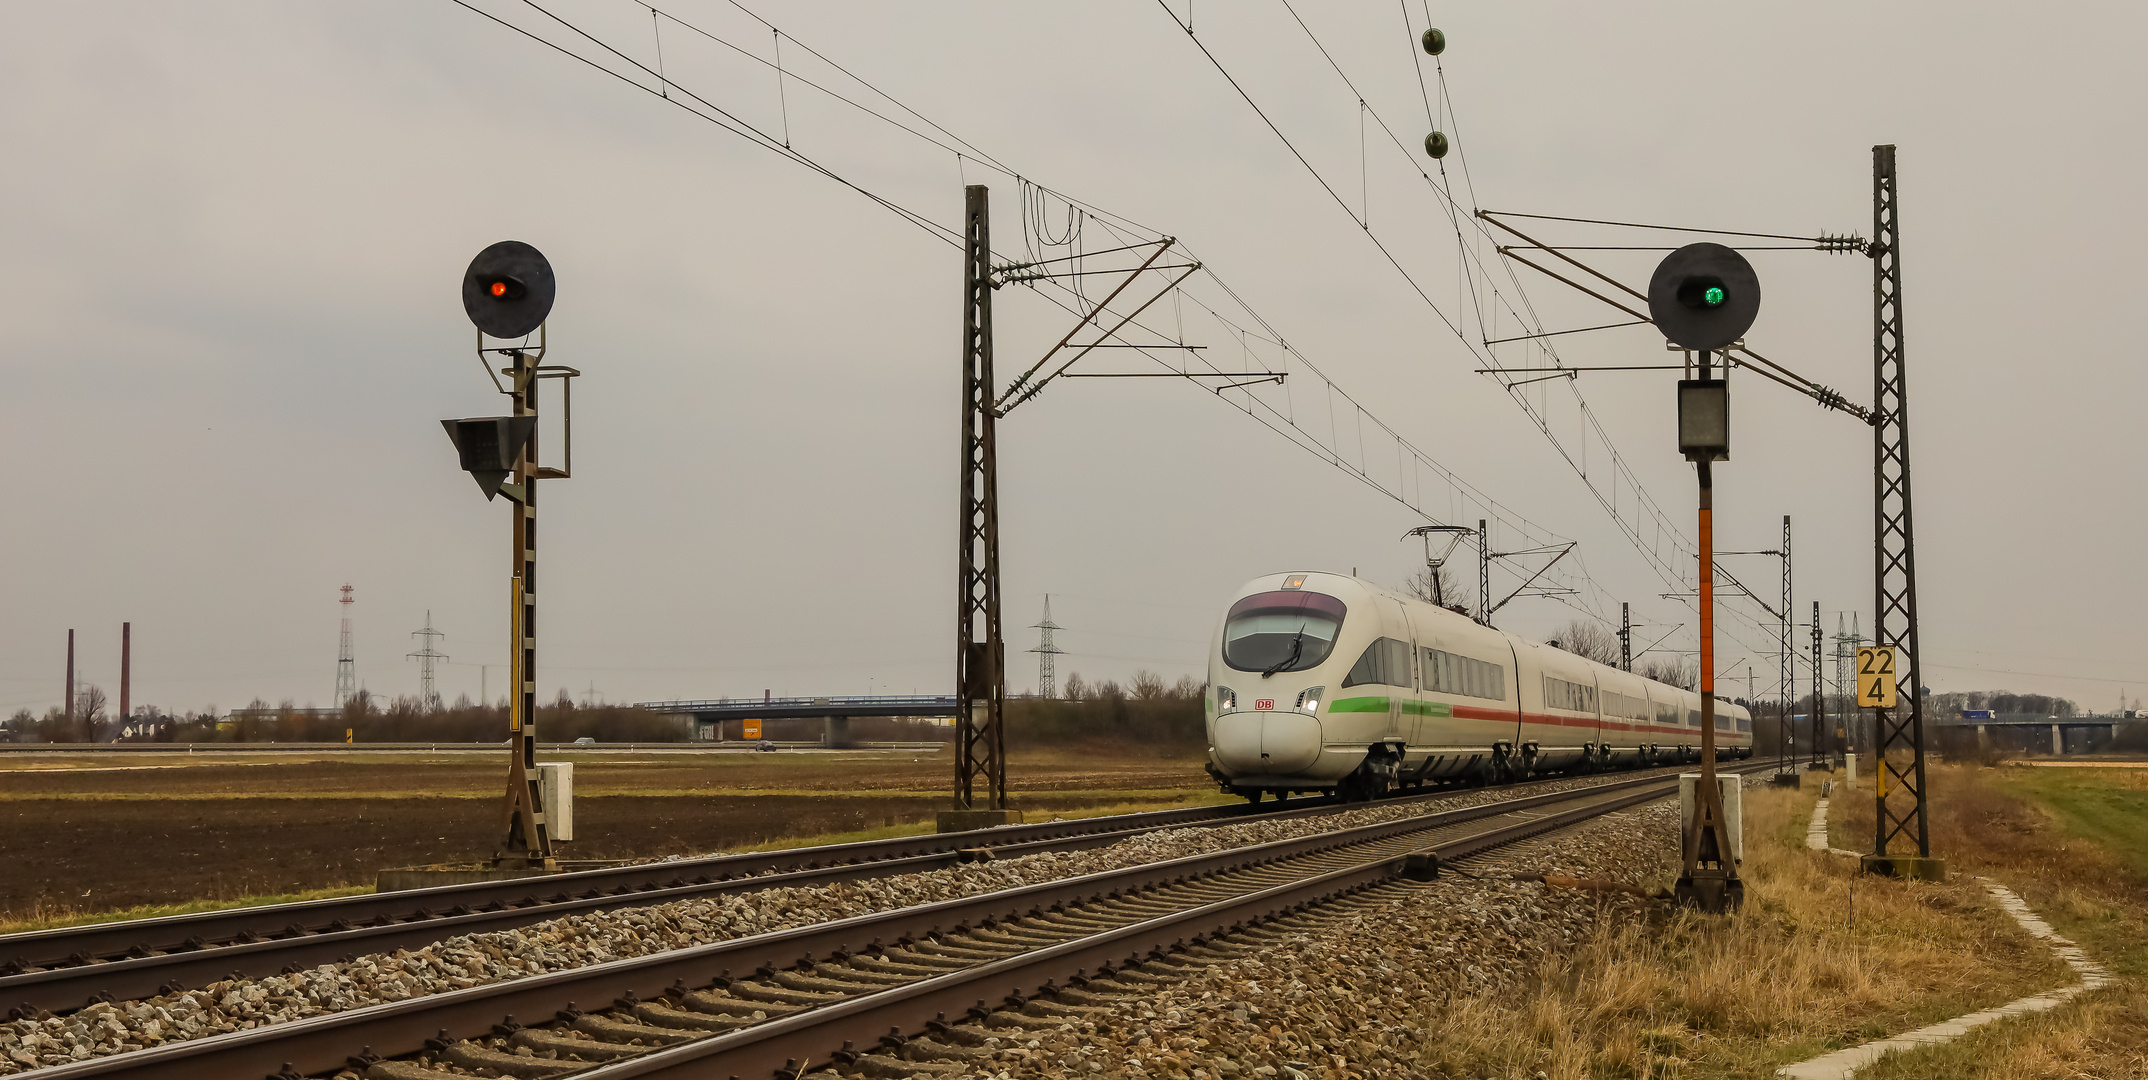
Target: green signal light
1714 296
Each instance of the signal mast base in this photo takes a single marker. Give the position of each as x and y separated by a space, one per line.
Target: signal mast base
1913 867
1713 891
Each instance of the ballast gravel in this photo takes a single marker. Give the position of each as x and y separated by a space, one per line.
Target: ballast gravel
601 936
1345 1000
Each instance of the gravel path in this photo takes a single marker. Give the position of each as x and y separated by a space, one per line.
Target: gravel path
597 937
1343 1000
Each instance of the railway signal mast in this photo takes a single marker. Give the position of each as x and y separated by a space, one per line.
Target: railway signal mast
1704 297
508 292
1896 728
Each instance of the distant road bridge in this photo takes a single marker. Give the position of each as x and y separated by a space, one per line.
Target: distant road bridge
2068 734
836 712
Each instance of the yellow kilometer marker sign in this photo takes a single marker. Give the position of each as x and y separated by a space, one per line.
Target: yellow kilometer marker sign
1875 677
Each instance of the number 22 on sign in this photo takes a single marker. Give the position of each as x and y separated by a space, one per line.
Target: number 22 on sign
1875 677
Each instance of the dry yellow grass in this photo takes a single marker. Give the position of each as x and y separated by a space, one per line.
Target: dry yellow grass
42 917
2073 846
1819 958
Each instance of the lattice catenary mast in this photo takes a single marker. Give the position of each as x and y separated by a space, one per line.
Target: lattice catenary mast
426 656
1846 644
1047 666
1902 812
346 663
980 653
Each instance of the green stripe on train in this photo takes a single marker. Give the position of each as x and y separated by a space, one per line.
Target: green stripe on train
1359 704
1381 704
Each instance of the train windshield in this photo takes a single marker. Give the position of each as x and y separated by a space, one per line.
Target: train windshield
1285 630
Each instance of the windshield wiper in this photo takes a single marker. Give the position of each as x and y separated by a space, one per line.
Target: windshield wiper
1297 646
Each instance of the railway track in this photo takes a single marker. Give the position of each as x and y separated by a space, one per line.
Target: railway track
886 994
57 971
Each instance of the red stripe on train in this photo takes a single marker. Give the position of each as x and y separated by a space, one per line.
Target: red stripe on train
1473 712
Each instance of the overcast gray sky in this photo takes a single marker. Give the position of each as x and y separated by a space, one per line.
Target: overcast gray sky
231 236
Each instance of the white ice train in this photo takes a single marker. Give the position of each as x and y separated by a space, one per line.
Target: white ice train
1323 682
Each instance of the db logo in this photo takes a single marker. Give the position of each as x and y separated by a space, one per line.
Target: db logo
1266 704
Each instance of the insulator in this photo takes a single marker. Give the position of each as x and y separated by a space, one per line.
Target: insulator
1435 41
1436 144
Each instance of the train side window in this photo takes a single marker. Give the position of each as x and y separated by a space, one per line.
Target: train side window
1367 668
1573 697
1448 673
1386 662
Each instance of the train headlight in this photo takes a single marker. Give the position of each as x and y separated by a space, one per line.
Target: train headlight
1226 699
1309 700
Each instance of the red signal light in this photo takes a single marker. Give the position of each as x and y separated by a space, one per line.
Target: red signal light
499 288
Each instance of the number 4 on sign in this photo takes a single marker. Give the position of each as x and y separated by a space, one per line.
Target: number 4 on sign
1875 677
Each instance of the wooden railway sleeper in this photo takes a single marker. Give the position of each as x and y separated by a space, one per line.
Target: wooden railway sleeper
978 954
1077 922
1096 993
1018 939
911 964
622 1031
724 1003
762 992
529 1066
666 1016
590 1049
881 1066
927 1048
828 981
851 971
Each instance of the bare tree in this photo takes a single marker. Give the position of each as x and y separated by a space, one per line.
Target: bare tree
1671 671
89 709
1442 589
1588 639
1147 685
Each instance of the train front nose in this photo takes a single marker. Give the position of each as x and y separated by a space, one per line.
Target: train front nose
1267 742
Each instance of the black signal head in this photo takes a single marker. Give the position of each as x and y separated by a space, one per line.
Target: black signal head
1704 296
490 446
508 289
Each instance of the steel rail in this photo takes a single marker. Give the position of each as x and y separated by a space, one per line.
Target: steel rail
64 969
74 946
326 1043
257 942
795 1044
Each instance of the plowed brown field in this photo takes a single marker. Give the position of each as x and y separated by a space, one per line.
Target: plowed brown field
109 831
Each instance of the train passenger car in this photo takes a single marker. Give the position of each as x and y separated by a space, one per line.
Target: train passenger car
1324 682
